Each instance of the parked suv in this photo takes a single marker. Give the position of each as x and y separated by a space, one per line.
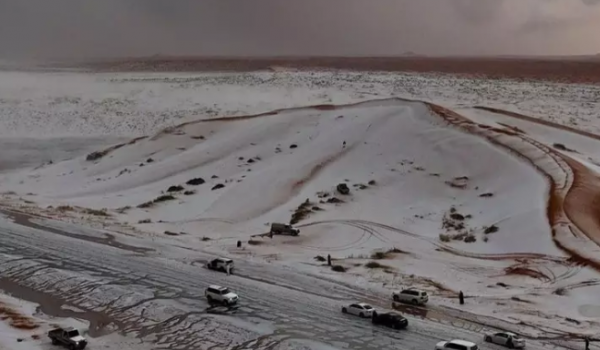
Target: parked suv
283 229
221 264
413 296
221 295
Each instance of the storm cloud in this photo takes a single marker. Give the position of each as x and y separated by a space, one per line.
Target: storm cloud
109 28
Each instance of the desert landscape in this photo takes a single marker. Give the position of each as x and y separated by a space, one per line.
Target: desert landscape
477 175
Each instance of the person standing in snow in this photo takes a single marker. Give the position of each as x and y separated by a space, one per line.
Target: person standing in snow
587 343
344 145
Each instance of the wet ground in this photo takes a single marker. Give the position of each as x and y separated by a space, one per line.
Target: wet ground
141 292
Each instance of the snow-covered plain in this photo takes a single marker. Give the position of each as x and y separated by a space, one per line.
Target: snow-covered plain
418 185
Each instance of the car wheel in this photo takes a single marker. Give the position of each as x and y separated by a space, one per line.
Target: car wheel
361 315
396 298
54 341
344 310
488 339
415 302
210 299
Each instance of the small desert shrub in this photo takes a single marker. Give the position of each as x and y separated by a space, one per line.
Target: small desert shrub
490 229
560 291
195 181
374 265
144 221
301 212
320 258
170 233
338 268
444 237
147 204
217 186
122 210
255 242
397 251
488 194
470 239
379 255
175 188
204 239
96 212
189 192
65 208
164 198
457 216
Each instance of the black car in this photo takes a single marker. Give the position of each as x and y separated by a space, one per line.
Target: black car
390 319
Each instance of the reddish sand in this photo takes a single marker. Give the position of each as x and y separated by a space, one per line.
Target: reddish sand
576 206
566 69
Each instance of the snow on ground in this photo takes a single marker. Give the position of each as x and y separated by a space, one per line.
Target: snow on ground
22 326
414 183
74 104
419 189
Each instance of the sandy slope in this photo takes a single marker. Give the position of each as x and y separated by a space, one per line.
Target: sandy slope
406 166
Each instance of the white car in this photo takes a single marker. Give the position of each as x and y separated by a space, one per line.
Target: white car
359 309
410 295
508 339
222 295
456 344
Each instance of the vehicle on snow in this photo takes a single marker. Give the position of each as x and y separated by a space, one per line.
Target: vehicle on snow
283 229
220 295
362 310
508 339
411 295
390 319
221 264
456 344
68 337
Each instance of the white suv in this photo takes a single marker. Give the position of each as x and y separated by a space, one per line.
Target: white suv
413 296
218 294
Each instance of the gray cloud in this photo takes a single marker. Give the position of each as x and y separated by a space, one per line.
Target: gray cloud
105 28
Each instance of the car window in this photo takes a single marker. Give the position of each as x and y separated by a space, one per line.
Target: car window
353 306
72 333
502 335
368 307
455 346
224 291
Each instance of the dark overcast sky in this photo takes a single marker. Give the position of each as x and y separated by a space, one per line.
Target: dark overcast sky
102 28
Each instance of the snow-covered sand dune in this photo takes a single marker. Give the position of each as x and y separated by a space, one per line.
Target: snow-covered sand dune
439 200
445 208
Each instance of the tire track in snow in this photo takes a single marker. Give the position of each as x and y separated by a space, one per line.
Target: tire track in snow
559 170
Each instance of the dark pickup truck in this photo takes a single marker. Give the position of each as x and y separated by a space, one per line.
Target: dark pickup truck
68 337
